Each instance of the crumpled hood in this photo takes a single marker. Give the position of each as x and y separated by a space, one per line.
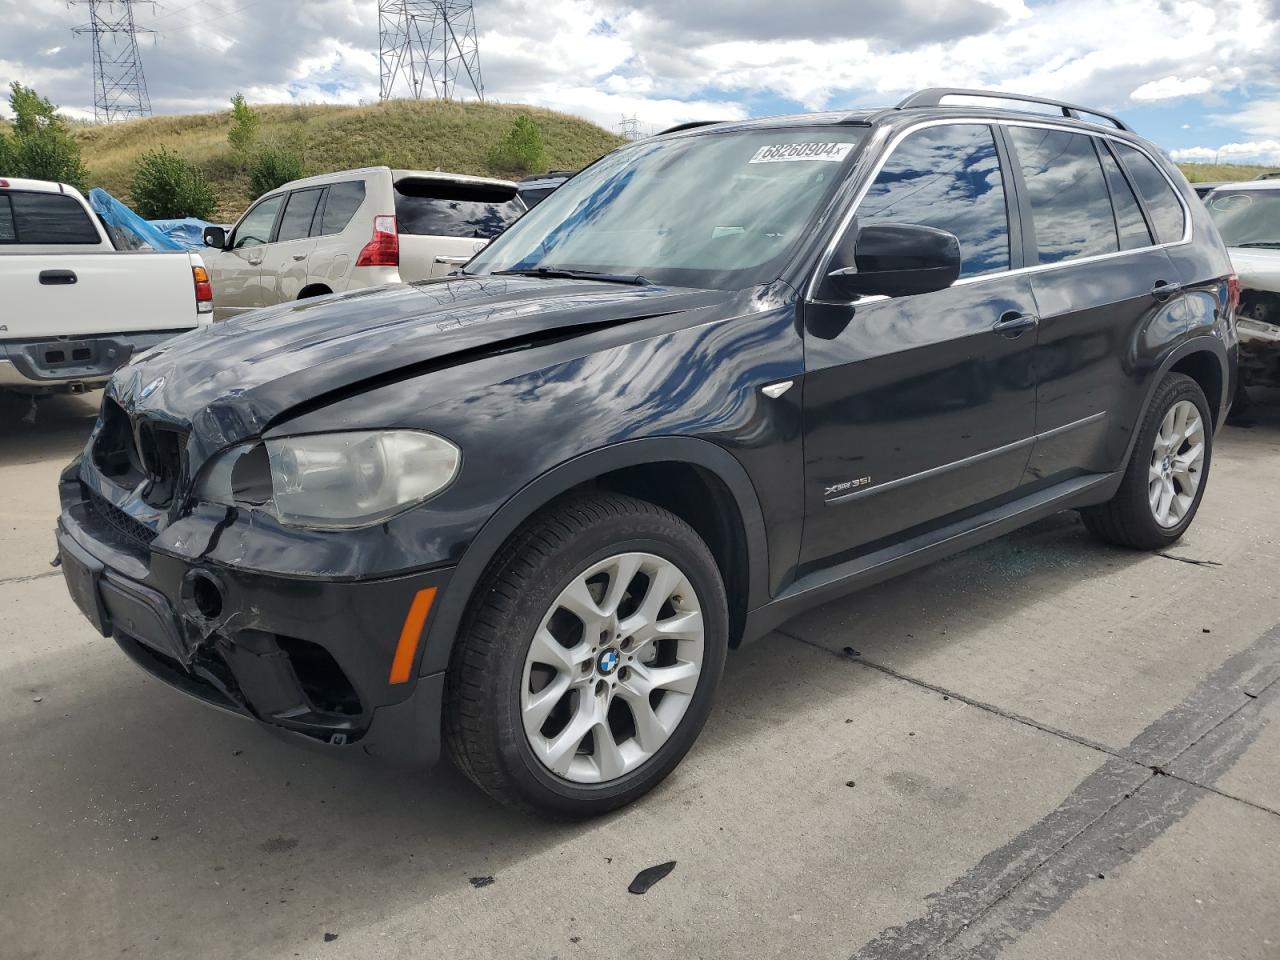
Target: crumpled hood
230 380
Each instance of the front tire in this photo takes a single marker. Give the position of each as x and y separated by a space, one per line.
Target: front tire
587 664
1167 473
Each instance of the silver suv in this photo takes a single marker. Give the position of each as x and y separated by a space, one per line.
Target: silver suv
352 229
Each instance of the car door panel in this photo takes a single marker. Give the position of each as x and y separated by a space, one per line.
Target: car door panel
236 273
918 407
1098 320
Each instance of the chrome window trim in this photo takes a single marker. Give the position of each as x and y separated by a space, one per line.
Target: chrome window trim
824 261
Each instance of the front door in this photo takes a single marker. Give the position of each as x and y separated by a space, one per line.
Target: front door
919 407
236 273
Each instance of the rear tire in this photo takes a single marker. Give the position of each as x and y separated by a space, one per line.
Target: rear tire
588 661
1167 472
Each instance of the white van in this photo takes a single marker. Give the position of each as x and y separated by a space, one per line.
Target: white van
353 229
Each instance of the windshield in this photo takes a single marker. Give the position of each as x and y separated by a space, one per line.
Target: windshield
1247 218
721 211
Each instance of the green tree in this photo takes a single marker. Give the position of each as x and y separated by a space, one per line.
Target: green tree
244 127
521 149
40 146
166 187
274 166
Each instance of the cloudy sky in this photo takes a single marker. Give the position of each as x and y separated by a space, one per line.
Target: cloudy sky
1201 79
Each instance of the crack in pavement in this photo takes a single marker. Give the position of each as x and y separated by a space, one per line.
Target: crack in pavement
31 576
1137 793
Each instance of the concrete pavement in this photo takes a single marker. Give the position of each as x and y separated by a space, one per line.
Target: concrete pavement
1055 749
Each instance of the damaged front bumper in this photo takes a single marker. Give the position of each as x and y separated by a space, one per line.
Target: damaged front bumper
330 663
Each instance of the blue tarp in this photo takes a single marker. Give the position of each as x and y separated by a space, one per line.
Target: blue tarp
188 232
129 231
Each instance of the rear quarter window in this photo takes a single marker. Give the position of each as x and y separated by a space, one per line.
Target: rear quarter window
1162 202
49 219
442 209
340 205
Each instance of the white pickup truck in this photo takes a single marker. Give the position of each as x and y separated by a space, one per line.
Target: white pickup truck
73 308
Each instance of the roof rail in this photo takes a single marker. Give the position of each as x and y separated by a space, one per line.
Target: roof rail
692 124
933 96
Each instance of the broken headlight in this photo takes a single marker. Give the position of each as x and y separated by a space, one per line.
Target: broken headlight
333 479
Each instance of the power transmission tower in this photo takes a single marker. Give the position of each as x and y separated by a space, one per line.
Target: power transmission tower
119 88
629 128
432 42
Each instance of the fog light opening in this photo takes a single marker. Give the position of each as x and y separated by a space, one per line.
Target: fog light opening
206 595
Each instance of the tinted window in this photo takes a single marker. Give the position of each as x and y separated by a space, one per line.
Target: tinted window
7 232
255 228
1068 193
340 205
51 218
296 222
440 209
947 177
1129 221
1162 203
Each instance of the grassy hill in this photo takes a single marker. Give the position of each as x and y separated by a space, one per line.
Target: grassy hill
415 134
1213 172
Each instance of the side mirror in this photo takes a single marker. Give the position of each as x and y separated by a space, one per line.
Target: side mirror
897 260
215 237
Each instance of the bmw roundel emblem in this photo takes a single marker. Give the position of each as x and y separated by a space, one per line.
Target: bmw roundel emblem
608 662
151 388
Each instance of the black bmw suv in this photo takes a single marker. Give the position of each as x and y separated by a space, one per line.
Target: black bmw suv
720 376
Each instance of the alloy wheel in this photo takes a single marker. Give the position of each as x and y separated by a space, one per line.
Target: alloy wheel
612 668
1177 464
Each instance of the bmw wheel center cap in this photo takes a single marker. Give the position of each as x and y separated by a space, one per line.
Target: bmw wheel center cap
607 662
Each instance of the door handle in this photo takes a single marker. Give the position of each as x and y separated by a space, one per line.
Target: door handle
1165 289
1013 324
254 263
454 261
299 256
56 278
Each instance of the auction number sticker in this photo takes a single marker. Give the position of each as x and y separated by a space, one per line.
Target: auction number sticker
787 152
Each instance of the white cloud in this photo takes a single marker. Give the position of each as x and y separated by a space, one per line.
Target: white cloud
665 61
1261 116
1168 88
1253 151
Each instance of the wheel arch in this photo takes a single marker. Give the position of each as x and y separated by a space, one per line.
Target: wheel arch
1199 357
706 483
314 290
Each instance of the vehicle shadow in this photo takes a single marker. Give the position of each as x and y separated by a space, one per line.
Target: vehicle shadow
61 426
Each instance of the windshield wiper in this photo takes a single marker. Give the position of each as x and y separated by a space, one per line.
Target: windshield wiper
1267 244
634 279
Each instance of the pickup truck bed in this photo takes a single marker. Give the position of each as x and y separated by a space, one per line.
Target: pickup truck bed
73 309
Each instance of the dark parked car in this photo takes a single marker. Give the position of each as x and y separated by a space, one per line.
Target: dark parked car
719 377
533 190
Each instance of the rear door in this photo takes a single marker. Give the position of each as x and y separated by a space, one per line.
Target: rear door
285 263
444 223
59 277
919 407
1103 290
237 271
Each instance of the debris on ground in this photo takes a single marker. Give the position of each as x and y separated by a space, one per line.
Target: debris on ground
850 652
647 877
330 937
1191 560
479 882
